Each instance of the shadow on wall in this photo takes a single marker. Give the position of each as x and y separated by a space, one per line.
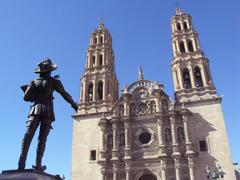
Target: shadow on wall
201 130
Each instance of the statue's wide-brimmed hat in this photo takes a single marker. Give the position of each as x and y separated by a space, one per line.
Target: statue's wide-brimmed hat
45 66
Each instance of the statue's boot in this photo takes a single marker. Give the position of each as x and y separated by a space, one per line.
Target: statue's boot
21 165
39 167
42 138
27 139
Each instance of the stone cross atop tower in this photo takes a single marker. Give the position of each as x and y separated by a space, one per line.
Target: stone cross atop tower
190 68
99 84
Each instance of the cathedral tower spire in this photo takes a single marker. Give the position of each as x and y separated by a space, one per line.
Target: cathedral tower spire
99 84
140 73
190 68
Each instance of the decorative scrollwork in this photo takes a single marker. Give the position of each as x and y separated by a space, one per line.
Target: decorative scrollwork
142 108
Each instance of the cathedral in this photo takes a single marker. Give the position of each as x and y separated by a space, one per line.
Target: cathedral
143 133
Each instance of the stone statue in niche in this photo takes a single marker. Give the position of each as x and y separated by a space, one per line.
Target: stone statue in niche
168 136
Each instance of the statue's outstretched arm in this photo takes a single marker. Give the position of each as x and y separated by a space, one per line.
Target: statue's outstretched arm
58 86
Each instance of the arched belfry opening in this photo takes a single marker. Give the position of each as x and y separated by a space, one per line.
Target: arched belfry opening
90 92
179 27
198 77
186 79
190 46
182 47
100 90
93 61
185 25
148 177
100 59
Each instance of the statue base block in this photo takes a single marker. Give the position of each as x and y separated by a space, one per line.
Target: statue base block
28 174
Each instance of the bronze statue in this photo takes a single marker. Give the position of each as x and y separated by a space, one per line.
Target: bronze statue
40 93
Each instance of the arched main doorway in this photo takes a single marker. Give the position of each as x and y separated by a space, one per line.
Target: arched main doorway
147 177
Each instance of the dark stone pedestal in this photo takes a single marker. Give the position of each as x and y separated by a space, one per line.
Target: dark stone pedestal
28 174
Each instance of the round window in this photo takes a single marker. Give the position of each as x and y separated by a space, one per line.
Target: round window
145 137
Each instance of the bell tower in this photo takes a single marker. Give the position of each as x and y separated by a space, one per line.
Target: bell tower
190 68
99 92
99 84
194 89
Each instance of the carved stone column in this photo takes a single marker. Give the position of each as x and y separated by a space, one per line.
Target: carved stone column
175 79
104 89
127 131
163 169
127 171
185 125
115 171
102 125
115 139
103 172
191 167
192 77
174 135
185 45
180 77
157 100
203 75
173 128
177 168
160 137
189 145
125 101
160 131
94 90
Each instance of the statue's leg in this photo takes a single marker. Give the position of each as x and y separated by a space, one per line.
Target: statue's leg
32 125
45 128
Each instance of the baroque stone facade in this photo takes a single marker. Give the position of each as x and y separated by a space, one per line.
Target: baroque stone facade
144 134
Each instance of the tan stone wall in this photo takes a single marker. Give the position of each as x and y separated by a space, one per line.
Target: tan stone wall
85 138
207 123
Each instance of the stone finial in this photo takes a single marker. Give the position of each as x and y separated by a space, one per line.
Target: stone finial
101 25
125 91
179 11
140 73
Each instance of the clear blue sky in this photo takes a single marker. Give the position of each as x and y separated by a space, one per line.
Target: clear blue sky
60 29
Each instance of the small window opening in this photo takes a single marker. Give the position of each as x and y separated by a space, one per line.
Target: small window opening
100 90
185 25
190 46
203 145
182 47
198 77
179 26
100 59
93 155
186 79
